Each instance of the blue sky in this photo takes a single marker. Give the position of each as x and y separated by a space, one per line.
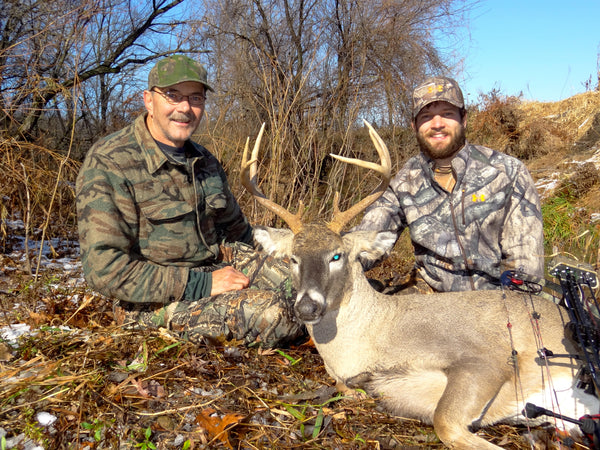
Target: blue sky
545 49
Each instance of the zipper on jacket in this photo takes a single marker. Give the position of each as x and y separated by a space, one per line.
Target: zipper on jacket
460 246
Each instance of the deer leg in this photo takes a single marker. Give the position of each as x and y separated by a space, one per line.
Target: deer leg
471 388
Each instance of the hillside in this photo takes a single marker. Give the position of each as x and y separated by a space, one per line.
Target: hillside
578 118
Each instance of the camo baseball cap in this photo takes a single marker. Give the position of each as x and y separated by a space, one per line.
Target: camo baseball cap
436 89
177 69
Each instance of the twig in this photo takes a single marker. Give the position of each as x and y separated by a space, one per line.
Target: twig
185 408
27 221
58 176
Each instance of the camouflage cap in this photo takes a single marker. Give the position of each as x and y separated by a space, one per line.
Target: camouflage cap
437 89
177 69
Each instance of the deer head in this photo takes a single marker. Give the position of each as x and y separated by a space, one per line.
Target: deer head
320 257
445 358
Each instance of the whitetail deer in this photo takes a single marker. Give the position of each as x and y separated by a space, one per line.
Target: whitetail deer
457 360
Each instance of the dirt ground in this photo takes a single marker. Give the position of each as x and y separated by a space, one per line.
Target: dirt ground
79 382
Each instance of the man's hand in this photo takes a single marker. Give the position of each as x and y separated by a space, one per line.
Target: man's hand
228 279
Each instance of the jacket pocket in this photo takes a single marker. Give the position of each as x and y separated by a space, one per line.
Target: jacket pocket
168 231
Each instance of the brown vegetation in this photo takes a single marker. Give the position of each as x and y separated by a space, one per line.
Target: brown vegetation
107 387
66 79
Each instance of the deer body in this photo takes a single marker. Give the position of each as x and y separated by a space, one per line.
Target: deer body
448 359
445 358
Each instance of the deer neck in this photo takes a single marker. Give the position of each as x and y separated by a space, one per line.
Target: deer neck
358 306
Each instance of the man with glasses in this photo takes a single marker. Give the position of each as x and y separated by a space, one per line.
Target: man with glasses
162 234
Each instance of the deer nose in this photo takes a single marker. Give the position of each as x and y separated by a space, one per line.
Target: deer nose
308 309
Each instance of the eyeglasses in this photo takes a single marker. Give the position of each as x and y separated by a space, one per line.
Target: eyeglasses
174 98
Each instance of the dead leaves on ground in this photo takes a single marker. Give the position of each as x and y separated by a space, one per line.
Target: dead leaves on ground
111 387
107 385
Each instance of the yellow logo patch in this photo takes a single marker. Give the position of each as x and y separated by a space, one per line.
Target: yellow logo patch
478 198
436 88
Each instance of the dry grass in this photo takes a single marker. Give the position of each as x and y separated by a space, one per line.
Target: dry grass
108 387
577 116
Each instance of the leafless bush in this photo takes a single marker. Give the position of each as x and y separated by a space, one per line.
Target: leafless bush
580 182
498 122
33 185
495 122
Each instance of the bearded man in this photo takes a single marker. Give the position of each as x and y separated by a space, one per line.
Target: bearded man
472 212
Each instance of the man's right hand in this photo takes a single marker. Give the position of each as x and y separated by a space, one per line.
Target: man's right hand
228 279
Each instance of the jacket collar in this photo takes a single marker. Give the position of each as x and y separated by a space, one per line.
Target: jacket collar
155 158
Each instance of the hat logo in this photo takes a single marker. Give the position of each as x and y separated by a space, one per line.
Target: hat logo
437 88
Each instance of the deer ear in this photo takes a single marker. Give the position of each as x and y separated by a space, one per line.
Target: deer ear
274 241
371 247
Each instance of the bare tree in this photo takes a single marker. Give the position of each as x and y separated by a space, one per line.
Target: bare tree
311 68
72 70
70 73
52 50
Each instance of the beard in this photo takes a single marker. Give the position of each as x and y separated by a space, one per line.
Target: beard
449 150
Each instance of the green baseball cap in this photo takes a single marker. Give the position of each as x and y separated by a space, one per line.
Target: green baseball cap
177 69
437 89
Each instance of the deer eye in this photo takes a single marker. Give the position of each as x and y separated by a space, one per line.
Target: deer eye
293 261
336 257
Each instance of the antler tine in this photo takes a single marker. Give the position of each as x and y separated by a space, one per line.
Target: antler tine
340 219
248 174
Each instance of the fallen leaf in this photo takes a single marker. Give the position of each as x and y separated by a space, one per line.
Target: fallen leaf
155 389
217 426
266 351
165 423
140 388
5 352
39 318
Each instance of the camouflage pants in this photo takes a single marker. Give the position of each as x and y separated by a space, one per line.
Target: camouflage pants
262 313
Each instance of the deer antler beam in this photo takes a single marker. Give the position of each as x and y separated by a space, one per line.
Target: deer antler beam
340 219
248 173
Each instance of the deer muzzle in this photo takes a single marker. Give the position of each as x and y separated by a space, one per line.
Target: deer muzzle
309 308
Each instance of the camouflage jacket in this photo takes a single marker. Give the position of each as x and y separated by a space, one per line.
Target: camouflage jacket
464 240
145 221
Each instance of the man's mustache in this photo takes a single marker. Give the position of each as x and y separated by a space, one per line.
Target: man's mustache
180 117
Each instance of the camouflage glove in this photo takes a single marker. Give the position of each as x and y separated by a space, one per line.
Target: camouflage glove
249 315
266 317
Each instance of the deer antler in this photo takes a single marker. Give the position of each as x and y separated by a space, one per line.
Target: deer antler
340 219
248 174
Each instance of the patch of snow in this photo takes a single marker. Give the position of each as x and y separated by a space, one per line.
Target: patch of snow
179 440
45 418
213 393
15 224
12 333
546 186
